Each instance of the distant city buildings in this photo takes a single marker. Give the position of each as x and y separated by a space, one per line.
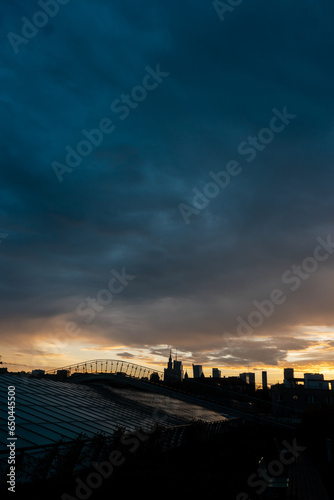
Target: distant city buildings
249 378
301 393
264 381
197 371
216 373
63 374
315 381
288 376
174 370
309 381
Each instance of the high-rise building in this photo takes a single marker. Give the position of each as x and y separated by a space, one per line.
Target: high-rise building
249 378
197 371
174 370
216 373
264 381
288 373
289 377
315 381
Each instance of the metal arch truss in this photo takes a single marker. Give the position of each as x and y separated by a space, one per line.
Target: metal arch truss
99 366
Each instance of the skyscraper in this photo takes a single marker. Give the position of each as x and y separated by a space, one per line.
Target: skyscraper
289 377
174 370
249 378
264 381
288 374
197 371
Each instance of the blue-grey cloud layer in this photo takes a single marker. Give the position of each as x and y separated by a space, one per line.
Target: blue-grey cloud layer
120 206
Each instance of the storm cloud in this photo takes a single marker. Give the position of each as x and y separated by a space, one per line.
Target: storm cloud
209 98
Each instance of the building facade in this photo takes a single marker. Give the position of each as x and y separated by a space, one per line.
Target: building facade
264 381
197 371
249 378
301 394
174 370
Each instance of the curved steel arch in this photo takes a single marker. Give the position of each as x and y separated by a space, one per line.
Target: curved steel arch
131 369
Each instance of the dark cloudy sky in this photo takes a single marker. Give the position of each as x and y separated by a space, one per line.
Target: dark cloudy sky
121 206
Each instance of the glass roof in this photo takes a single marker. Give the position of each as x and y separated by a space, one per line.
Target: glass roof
49 410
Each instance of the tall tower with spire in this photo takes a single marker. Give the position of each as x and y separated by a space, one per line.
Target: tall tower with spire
170 364
174 370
